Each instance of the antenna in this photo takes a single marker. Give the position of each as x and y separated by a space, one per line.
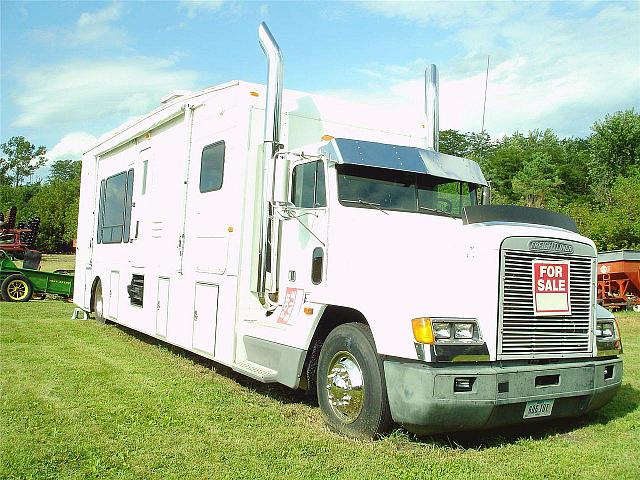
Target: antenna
484 106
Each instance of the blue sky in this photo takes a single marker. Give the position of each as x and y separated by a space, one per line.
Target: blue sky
73 70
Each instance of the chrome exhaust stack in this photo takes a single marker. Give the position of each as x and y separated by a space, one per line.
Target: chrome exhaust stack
271 145
431 107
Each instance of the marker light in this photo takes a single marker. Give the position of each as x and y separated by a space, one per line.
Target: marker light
327 138
422 331
254 94
463 331
442 330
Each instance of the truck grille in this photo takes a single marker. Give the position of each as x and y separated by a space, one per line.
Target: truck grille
523 334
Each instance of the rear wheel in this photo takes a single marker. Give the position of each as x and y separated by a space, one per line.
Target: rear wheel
16 288
98 303
352 393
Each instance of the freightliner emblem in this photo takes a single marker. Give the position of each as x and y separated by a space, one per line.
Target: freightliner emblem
550 246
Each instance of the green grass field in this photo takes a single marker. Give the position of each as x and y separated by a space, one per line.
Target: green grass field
82 400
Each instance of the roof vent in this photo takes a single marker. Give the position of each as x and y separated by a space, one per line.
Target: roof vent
174 95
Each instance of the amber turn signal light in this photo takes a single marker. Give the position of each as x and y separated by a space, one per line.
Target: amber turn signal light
422 331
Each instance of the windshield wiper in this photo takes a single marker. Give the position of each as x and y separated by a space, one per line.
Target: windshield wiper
439 212
369 204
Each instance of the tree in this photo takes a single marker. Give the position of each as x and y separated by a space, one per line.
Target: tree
614 149
537 183
453 142
22 159
65 170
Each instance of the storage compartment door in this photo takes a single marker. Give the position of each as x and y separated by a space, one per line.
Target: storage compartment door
205 316
162 307
114 294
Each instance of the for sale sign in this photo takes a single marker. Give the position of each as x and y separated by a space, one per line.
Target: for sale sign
551 288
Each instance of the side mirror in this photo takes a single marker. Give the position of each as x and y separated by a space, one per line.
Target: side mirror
284 209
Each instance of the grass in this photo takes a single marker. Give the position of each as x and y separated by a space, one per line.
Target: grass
82 400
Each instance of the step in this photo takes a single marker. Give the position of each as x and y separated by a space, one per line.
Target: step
256 371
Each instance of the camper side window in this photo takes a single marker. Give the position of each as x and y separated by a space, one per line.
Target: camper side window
308 185
212 167
114 214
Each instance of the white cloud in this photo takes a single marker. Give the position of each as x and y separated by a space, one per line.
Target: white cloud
91 27
71 147
194 8
96 93
557 68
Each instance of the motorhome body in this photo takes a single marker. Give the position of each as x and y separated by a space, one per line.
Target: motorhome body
369 246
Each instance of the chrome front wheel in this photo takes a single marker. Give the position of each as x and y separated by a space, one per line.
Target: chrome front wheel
352 393
345 386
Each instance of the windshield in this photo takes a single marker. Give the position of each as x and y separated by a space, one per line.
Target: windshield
381 188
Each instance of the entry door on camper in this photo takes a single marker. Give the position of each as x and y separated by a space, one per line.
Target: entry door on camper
208 210
303 241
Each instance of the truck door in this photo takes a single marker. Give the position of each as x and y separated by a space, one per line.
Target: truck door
304 236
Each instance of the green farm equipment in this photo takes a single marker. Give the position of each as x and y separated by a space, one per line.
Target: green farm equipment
19 284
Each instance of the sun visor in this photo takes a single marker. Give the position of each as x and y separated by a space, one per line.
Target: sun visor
408 159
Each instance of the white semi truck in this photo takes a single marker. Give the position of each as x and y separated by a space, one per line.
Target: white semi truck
327 247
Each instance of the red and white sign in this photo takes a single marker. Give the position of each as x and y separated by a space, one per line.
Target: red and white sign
293 300
551 288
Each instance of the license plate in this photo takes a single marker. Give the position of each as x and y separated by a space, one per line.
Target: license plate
538 408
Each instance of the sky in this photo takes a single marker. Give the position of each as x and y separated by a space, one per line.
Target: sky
73 70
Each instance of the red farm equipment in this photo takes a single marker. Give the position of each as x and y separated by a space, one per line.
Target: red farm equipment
15 240
619 279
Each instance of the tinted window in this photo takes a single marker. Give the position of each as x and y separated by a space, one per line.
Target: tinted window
321 192
316 265
145 168
114 213
370 187
384 188
308 185
212 167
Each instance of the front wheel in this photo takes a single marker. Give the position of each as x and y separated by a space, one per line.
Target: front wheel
352 393
16 288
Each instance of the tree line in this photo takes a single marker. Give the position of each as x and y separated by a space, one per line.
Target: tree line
595 180
54 200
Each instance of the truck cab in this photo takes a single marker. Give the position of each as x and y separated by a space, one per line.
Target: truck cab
474 315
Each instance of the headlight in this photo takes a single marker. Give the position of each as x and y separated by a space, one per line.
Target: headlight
605 329
463 331
434 330
442 330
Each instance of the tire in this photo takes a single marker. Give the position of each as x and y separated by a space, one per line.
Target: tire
352 393
97 305
16 288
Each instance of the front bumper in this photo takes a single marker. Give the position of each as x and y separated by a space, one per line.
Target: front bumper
422 397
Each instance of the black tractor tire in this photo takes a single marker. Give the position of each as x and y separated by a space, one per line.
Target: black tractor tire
16 288
97 306
349 357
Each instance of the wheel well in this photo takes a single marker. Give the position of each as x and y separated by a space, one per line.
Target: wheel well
93 292
333 316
